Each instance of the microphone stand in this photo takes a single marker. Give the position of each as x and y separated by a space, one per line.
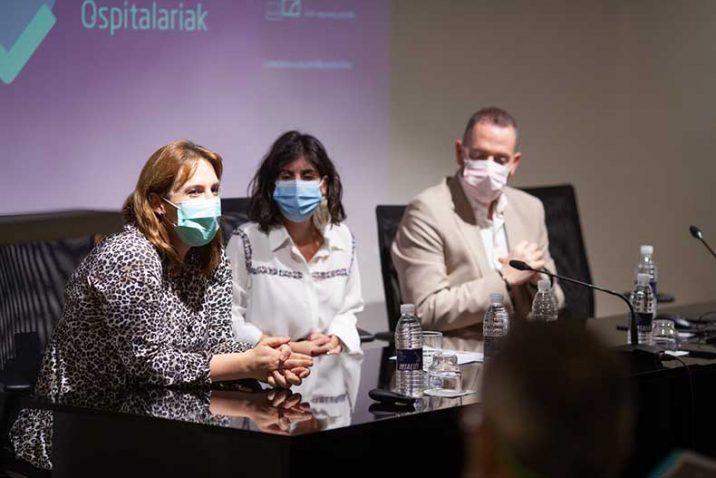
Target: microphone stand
645 356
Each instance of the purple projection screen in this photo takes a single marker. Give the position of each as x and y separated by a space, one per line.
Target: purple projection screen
89 89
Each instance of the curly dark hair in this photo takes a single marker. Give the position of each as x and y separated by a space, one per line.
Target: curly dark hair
289 147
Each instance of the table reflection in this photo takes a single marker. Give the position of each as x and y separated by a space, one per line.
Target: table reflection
324 400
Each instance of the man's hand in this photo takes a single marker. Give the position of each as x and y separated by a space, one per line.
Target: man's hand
528 252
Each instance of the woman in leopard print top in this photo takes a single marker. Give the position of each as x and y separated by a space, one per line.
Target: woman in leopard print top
151 305
147 308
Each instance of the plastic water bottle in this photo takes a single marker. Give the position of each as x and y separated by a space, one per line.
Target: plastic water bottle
544 305
644 303
648 266
409 375
495 325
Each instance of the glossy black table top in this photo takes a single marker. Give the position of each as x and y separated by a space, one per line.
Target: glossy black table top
77 433
335 395
329 408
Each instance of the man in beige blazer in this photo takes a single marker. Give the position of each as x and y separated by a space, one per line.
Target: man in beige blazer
456 239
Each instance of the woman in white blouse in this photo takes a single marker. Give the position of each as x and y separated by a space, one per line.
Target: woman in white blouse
294 265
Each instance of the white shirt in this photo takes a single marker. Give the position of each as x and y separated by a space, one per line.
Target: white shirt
494 238
276 292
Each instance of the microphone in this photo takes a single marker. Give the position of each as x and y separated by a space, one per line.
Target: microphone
523 266
643 357
696 232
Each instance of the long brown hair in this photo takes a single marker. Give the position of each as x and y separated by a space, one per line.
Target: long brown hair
170 164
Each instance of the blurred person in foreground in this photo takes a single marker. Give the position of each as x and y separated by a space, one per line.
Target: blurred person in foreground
556 403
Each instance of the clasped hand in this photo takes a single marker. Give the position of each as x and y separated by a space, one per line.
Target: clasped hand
317 344
528 252
276 364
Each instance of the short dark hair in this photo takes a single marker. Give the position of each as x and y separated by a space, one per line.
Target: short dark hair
287 148
491 115
554 390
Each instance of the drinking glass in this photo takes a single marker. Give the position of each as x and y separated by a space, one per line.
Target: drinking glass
432 344
664 334
444 376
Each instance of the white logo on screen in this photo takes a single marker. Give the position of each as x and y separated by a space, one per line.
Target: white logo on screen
282 9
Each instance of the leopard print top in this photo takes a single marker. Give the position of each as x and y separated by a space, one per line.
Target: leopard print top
129 322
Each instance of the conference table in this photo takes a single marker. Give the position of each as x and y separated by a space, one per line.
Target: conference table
330 425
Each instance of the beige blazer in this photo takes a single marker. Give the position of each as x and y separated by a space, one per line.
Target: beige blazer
442 265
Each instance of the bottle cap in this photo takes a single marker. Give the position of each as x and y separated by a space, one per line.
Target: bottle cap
496 298
647 249
544 285
407 309
642 278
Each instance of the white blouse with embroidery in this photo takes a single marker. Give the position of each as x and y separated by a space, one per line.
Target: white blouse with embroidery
276 292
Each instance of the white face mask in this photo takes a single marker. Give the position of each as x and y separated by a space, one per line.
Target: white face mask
484 179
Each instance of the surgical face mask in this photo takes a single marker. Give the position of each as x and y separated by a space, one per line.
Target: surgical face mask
484 179
197 220
297 199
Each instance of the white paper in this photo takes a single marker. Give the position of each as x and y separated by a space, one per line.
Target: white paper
467 357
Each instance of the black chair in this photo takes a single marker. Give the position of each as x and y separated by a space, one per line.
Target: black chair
32 283
38 254
234 212
566 245
388 218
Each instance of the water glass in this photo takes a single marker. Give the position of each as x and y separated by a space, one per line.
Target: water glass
432 344
444 376
664 334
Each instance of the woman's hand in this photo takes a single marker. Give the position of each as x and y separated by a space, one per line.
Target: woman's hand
317 344
272 361
326 344
305 347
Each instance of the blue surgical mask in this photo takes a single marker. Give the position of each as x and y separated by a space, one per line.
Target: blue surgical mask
197 220
297 199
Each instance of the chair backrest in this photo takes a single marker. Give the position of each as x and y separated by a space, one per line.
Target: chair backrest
388 221
566 245
234 212
32 283
38 254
